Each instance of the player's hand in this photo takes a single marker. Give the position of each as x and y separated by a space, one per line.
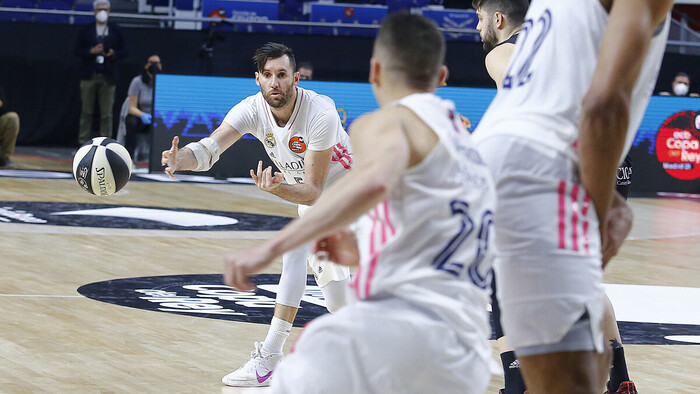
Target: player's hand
618 225
238 266
264 179
340 248
169 158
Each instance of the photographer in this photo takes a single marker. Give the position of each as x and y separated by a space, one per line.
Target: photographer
100 46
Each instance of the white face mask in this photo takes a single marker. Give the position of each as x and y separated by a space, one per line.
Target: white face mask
681 89
102 16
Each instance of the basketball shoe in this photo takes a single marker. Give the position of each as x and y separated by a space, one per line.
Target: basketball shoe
626 387
256 372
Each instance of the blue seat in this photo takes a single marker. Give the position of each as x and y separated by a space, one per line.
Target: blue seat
53 5
17 16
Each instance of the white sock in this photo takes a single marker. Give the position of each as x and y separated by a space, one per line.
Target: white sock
276 336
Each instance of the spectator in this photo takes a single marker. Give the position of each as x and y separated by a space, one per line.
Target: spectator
9 129
306 71
100 46
680 87
137 110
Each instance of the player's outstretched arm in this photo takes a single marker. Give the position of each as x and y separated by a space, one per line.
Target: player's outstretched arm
381 151
208 151
605 110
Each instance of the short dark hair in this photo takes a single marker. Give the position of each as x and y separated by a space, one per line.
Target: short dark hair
306 65
681 74
273 50
415 45
514 10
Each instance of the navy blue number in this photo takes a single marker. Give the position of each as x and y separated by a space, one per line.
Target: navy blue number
476 271
442 261
524 74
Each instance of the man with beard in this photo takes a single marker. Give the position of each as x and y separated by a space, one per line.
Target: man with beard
302 134
499 24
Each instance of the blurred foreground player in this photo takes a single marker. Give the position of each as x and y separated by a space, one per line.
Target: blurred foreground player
302 134
424 200
581 75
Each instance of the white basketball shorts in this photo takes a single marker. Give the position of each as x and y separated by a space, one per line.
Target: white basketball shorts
384 346
548 262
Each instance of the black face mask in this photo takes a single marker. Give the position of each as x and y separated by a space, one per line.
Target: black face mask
153 69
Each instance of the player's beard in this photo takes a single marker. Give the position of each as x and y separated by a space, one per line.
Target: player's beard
489 39
280 101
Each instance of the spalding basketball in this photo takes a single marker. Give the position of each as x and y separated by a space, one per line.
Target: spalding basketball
102 166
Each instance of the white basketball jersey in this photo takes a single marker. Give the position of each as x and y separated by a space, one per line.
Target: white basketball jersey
551 70
314 125
428 241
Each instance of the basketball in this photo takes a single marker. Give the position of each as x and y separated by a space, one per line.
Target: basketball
102 166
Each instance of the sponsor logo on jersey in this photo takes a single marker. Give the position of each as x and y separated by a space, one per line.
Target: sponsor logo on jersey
297 144
135 217
206 296
270 140
678 145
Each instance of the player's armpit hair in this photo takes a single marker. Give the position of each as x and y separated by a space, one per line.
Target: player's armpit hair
206 151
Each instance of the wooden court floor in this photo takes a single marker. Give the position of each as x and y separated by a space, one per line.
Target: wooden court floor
53 339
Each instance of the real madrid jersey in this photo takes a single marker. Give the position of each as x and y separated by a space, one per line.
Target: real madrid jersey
428 242
314 126
551 70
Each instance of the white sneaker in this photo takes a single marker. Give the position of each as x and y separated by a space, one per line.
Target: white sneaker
256 372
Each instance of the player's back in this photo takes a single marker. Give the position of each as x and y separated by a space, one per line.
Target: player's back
427 242
551 70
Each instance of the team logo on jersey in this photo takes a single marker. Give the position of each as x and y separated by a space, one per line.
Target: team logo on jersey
297 144
465 122
678 145
270 140
207 296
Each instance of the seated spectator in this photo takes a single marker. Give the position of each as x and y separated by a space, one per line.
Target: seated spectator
137 110
306 71
680 87
9 129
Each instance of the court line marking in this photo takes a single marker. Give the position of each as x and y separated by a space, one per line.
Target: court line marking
642 238
41 296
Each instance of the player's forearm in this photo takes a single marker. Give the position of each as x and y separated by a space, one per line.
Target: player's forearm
338 207
603 128
301 193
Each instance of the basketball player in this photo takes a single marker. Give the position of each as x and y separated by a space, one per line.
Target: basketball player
302 134
581 75
500 22
499 25
424 199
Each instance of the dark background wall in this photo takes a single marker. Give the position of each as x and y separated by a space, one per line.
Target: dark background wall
38 68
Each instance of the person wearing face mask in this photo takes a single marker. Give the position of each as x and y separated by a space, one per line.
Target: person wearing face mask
100 46
680 87
137 109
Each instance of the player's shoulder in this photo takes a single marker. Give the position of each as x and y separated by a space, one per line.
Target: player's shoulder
317 101
501 53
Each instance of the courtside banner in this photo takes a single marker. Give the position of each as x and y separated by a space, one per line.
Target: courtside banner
665 152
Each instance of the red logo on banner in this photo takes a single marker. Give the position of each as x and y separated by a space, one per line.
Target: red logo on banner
678 145
349 12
